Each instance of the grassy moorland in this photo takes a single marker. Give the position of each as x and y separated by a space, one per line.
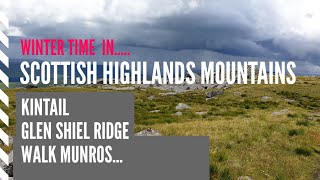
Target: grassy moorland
276 137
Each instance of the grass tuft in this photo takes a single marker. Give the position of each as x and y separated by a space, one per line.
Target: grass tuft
221 157
304 123
303 151
214 170
296 132
225 175
290 115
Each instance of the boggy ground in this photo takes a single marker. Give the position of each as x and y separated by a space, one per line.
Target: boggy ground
260 131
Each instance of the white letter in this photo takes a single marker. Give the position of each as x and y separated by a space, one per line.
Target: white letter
24 65
191 80
26 153
207 73
291 65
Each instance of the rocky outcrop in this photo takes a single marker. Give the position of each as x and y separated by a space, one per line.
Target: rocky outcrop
168 94
172 89
212 94
148 132
265 98
182 106
151 97
178 113
223 85
31 86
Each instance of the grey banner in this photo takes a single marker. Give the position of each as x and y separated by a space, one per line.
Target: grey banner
143 158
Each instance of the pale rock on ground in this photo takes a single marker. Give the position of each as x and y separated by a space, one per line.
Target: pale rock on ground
279 113
148 132
290 100
212 94
237 93
315 116
129 88
155 111
142 86
201 113
178 113
108 87
244 178
151 98
182 106
223 85
168 94
265 98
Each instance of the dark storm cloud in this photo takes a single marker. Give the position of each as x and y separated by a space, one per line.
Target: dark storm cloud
268 29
